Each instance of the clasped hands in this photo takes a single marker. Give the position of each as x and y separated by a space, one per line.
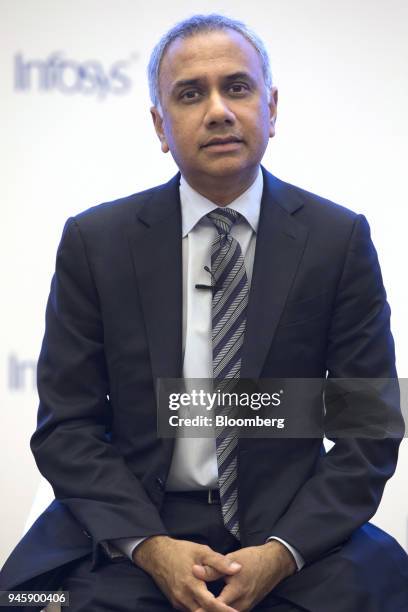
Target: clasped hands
182 568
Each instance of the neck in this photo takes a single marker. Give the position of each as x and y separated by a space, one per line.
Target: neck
222 190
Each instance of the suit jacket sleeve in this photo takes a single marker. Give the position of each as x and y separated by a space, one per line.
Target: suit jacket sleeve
347 486
71 444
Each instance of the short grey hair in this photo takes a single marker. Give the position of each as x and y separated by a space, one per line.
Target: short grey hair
195 25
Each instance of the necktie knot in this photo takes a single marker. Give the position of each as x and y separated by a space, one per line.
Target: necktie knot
223 219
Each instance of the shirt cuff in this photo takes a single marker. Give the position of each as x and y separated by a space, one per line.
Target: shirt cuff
299 560
126 545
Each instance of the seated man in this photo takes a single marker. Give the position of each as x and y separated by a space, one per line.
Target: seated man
224 272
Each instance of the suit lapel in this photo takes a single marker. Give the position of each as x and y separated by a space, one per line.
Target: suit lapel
157 255
279 248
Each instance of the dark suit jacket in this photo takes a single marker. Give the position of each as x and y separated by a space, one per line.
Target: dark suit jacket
114 325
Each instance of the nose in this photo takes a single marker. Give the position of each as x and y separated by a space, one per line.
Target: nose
218 111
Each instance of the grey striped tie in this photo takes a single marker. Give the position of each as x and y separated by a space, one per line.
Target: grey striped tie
229 304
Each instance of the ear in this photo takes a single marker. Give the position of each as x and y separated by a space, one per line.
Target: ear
273 110
158 126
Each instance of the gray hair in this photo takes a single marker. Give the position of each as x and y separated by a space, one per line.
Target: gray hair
195 25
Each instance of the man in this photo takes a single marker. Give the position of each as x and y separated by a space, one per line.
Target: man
143 523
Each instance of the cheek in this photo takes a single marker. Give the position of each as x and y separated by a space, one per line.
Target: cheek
257 123
181 146
179 143
177 134
264 125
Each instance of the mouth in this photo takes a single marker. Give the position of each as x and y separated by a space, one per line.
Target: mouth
227 141
228 144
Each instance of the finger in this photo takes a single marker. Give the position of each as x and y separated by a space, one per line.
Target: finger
198 608
231 593
205 609
205 572
208 602
220 563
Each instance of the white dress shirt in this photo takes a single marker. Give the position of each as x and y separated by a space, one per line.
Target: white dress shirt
194 461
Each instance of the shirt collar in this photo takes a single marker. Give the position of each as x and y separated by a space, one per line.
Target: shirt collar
195 206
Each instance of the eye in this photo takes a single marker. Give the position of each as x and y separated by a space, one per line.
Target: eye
190 95
238 88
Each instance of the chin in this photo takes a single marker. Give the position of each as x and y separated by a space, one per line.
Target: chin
228 167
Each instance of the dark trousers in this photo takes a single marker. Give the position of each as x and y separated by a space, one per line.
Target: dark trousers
368 573
120 586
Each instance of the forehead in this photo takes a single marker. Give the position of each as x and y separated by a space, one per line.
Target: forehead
209 53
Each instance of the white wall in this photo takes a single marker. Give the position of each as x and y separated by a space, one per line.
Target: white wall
341 70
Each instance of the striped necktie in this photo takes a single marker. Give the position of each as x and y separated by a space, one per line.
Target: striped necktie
229 304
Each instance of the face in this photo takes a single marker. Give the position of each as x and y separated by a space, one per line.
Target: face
216 117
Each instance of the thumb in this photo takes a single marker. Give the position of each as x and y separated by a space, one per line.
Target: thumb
220 564
209 573
205 572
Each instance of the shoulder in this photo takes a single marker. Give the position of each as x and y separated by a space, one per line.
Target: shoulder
320 215
109 220
120 210
295 198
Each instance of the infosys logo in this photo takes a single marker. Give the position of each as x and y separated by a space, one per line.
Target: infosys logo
68 76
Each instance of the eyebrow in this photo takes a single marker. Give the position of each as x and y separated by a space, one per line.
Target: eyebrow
227 79
240 75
